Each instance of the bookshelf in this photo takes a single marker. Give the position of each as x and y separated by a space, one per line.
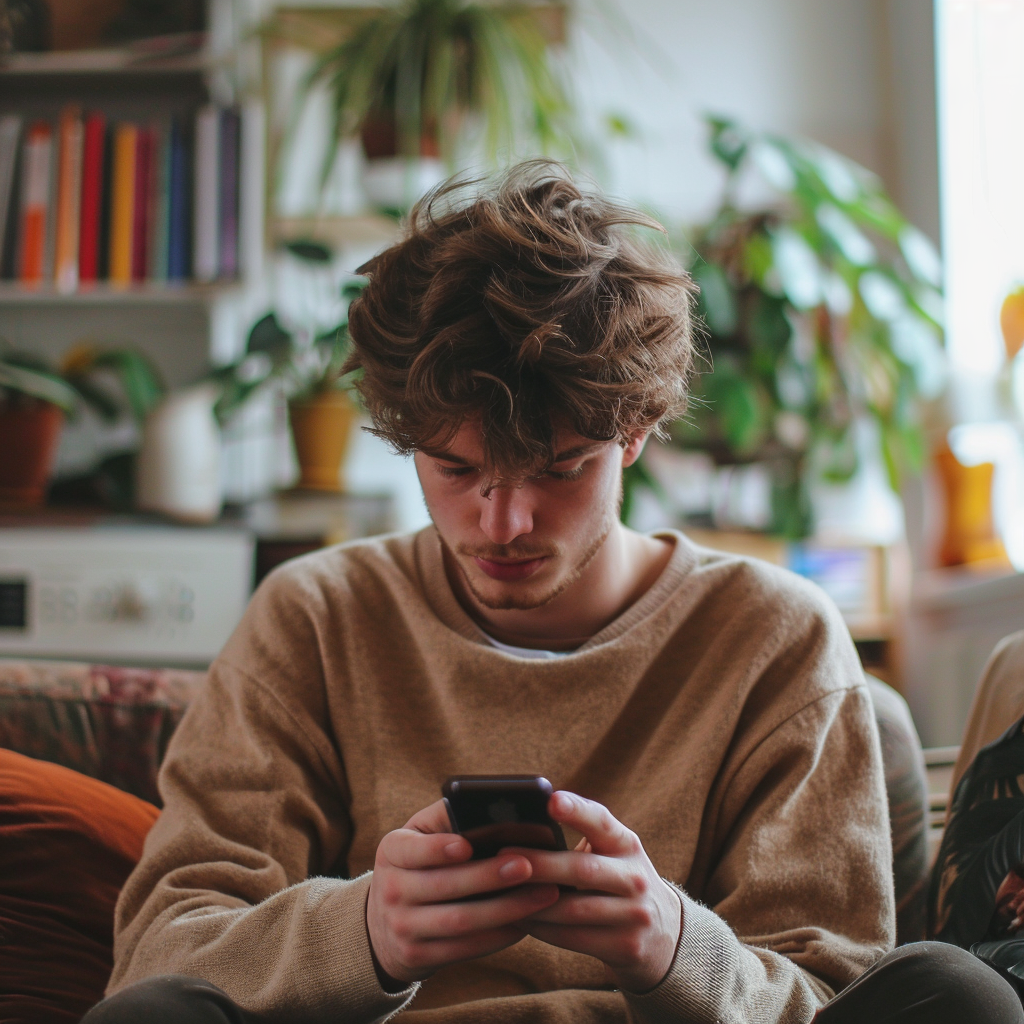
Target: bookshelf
153 84
104 294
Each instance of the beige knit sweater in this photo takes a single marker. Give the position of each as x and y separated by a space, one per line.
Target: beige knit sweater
722 717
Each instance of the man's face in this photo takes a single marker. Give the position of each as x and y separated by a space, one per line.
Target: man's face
520 545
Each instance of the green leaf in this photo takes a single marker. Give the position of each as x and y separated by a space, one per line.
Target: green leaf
768 326
792 512
98 399
308 250
38 384
351 290
620 126
137 376
728 141
717 299
838 456
736 401
267 335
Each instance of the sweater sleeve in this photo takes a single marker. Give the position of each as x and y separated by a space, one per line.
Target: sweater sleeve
801 900
232 883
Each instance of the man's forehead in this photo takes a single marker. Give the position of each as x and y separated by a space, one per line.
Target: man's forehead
467 446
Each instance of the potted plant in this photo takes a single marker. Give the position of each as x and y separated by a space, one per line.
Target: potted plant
308 366
33 403
410 75
821 311
35 399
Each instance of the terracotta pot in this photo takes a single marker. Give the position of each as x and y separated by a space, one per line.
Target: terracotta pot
321 427
380 139
29 431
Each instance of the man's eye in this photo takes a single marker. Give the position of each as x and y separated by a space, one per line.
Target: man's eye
452 471
570 474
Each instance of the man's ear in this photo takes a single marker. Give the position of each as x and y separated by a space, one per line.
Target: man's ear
632 450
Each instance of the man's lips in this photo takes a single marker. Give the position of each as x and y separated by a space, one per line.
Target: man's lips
509 571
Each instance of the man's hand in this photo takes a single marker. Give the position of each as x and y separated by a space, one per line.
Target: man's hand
624 914
414 926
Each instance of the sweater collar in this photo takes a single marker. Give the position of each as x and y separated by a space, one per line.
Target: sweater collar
441 598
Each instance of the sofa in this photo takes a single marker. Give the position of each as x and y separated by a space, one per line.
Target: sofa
80 748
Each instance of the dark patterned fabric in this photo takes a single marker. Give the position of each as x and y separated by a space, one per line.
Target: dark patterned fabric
977 891
107 722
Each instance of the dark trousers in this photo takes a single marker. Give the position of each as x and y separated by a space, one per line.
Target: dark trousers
922 983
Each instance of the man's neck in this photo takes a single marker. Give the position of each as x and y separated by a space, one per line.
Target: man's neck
620 573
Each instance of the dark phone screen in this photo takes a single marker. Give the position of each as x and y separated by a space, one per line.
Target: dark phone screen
495 811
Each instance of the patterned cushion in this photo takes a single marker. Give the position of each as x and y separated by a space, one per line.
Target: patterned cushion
108 722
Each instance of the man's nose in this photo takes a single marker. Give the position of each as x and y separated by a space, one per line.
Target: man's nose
506 513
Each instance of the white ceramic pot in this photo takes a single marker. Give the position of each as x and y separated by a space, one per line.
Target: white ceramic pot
395 183
179 466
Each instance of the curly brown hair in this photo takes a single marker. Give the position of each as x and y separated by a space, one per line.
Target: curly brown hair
529 304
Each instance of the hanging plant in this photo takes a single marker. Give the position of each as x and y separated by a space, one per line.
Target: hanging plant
409 75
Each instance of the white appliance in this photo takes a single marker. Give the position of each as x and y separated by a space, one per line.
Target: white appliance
140 594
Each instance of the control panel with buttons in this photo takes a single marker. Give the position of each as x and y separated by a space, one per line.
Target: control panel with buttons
166 595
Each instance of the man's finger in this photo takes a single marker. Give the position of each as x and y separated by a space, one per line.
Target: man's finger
431 819
586 871
471 879
450 920
598 825
590 910
410 849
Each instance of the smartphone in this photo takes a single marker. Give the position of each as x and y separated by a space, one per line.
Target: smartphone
495 811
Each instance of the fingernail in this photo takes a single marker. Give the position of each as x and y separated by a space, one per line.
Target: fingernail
453 849
510 869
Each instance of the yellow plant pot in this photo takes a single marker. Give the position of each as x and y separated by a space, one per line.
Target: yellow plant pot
321 428
969 537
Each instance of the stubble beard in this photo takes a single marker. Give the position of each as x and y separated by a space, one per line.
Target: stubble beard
526 602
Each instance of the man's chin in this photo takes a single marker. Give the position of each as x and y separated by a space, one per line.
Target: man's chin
499 596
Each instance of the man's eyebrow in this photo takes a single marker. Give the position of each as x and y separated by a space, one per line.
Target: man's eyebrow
446 456
569 453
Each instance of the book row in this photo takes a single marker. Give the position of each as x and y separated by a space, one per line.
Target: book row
85 200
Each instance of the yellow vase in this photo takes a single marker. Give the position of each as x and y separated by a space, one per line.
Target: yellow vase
321 429
969 537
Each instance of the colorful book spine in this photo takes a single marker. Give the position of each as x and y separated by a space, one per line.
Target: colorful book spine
93 145
251 193
178 193
82 201
159 182
69 197
142 205
10 135
206 216
122 204
227 206
35 200
107 208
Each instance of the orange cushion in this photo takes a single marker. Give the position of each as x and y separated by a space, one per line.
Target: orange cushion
67 844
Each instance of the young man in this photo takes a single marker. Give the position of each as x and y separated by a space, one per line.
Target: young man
704 716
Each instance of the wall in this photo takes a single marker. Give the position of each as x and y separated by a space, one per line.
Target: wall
857 76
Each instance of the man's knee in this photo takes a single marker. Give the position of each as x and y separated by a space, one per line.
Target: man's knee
169 999
926 983
955 982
